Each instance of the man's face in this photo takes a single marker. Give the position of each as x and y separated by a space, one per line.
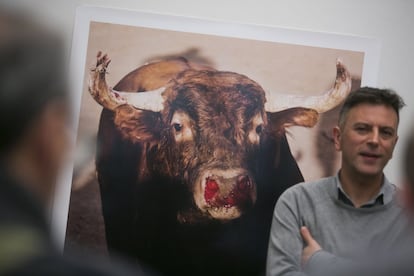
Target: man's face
367 139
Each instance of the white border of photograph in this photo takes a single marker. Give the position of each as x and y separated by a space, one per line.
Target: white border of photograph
87 14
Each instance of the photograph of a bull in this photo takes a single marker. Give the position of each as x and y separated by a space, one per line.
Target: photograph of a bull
191 166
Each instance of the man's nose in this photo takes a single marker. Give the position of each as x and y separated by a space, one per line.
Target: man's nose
373 138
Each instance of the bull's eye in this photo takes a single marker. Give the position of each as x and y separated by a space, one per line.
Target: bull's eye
181 126
177 127
256 129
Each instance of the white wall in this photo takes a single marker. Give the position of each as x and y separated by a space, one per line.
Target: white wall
389 21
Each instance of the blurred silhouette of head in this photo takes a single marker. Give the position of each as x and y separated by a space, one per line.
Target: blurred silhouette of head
409 160
33 102
408 174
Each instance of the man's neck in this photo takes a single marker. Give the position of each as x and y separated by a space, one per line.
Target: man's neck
360 188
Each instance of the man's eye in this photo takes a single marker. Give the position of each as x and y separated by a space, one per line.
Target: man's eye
387 133
361 129
178 127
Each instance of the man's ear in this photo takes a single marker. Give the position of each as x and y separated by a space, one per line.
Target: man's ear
395 143
337 137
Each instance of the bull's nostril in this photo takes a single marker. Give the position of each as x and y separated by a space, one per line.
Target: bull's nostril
211 189
212 185
243 183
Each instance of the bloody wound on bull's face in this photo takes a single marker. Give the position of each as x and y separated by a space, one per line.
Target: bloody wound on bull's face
205 127
238 195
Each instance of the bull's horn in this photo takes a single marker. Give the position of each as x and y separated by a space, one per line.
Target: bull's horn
148 100
322 103
111 99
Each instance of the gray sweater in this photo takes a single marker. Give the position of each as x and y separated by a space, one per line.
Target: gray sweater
344 232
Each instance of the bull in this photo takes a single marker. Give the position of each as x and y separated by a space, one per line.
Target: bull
191 160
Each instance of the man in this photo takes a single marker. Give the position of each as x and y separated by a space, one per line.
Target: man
336 220
33 145
398 260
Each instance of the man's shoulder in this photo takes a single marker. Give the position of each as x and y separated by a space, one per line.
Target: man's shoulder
311 189
304 198
321 184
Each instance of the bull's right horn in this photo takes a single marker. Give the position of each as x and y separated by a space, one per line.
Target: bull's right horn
321 103
148 100
111 99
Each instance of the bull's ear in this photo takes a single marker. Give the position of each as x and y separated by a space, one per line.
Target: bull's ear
297 116
138 125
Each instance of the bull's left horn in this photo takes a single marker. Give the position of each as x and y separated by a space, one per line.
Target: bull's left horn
322 103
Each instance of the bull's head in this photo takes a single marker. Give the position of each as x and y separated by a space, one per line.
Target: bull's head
204 126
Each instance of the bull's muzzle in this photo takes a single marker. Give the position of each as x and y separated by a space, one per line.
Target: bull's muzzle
225 194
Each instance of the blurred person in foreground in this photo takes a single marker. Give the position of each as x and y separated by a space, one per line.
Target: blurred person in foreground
34 113
333 222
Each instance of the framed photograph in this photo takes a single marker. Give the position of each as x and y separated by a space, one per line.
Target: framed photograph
188 130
